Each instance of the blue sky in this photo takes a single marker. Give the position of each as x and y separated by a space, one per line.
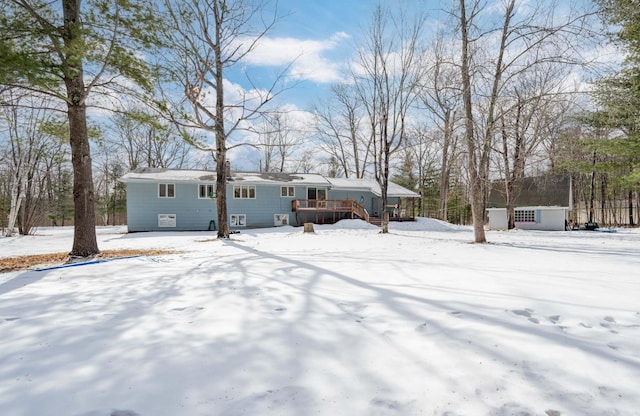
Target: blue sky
320 36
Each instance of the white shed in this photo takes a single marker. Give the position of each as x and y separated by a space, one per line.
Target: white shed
531 218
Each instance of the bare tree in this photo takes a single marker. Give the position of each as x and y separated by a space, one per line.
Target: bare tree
532 113
526 41
441 96
208 38
340 132
31 152
140 141
279 140
387 81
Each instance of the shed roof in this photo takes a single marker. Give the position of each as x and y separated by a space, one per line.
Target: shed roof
548 190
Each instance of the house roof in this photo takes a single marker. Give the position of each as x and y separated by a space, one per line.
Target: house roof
170 175
549 190
275 178
348 184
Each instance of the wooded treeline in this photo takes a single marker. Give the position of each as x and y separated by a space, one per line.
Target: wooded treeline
494 95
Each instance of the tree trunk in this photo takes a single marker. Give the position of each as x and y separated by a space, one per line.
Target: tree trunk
475 181
631 222
17 196
445 169
84 233
220 133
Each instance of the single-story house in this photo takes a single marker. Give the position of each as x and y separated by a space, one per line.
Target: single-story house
184 200
540 203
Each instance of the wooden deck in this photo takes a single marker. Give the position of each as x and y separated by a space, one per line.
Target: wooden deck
331 211
328 210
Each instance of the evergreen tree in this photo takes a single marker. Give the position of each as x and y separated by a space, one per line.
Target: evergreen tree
71 50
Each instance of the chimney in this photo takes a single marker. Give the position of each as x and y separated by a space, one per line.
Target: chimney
227 165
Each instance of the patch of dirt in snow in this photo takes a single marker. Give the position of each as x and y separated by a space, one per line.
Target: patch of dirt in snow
37 261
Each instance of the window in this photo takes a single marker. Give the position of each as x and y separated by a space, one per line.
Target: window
523 215
244 192
166 190
166 220
287 191
206 190
280 219
238 220
316 193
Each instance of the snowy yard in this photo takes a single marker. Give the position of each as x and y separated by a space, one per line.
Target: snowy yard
344 321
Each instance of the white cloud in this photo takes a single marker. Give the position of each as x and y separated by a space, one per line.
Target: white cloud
306 57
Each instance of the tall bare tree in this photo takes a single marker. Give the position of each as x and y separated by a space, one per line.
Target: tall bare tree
536 110
441 96
387 80
339 128
208 39
526 40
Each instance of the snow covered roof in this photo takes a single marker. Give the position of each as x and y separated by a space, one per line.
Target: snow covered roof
275 178
173 175
348 184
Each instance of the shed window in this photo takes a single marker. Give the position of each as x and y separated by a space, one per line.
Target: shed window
244 192
206 190
166 190
523 215
287 191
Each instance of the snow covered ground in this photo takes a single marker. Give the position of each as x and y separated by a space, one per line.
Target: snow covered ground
344 321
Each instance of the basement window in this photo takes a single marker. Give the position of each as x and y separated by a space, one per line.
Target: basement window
238 220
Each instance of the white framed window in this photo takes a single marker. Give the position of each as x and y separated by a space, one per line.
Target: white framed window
525 215
238 220
206 190
280 219
287 191
166 190
166 220
244 192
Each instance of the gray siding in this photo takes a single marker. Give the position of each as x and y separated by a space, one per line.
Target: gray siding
194 214
260 211
144 206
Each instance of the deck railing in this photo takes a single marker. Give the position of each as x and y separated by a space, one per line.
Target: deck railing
330 205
